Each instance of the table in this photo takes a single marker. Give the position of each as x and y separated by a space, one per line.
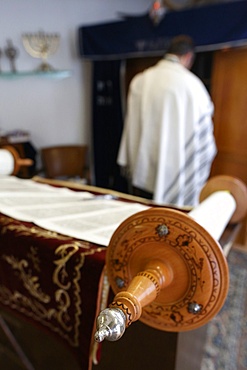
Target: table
55 282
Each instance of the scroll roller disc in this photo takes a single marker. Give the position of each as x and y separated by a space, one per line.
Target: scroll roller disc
200 278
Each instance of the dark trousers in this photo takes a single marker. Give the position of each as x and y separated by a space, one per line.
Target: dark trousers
142 193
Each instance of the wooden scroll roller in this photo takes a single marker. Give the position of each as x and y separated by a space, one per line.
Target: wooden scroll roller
167 267
10 161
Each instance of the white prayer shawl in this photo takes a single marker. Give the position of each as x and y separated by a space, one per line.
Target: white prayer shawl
168 143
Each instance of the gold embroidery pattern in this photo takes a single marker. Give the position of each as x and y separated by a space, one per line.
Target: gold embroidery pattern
51 306
33 256
30 282
66 291
23 230
37 232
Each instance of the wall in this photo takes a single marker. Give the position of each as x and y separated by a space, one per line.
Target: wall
53 111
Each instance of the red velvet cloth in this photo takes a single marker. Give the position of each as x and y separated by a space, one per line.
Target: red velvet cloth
53 281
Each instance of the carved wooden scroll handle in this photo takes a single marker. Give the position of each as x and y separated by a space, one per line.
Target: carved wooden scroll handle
10 161
167 268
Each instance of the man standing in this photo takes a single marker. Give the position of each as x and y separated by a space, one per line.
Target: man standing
167 145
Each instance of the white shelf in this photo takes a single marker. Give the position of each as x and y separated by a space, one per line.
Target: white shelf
56 74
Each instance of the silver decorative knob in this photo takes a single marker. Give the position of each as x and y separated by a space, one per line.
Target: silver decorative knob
110 325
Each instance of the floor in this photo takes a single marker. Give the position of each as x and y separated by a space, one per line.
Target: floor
38 350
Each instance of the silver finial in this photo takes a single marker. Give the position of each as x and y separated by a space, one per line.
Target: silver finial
110 325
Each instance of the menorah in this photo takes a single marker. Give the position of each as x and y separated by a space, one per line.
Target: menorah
41 45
